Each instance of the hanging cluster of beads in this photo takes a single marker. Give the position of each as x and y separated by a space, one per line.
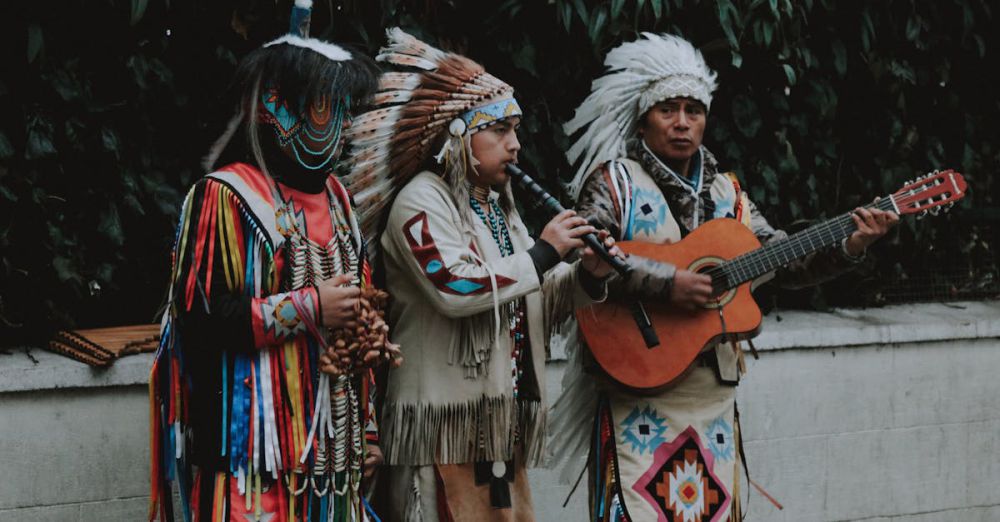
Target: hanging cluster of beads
515 310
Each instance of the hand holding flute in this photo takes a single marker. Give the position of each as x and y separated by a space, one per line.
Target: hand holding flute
594 245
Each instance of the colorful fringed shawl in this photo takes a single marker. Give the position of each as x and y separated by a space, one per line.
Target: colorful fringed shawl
273 399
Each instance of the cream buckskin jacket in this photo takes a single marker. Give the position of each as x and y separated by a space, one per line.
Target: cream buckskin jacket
451 401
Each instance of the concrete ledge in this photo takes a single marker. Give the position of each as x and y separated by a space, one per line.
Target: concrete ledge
843 327
112 509
18 373
782 330
910 323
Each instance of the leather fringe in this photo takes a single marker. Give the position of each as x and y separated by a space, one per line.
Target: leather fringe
484 429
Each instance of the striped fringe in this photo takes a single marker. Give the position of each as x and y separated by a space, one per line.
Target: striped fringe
484 429
224 222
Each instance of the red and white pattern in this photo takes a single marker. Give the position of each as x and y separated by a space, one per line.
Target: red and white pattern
418 235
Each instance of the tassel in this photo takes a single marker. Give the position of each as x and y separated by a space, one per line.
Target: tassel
740 359
414 511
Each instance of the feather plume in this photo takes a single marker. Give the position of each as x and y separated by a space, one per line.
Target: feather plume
638 74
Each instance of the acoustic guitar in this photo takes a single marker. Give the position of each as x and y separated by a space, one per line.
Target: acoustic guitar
729 252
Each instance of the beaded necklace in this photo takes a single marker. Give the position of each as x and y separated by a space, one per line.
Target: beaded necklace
515 310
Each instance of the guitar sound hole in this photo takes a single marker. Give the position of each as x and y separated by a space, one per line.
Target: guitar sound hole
714 267
718 280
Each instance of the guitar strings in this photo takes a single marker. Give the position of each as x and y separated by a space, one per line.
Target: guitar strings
753 264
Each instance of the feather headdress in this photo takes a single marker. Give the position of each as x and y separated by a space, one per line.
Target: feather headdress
639 74
437 98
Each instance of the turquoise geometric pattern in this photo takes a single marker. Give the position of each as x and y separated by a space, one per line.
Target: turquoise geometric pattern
285 123
720 439
464 286
644 430
433 266
649 211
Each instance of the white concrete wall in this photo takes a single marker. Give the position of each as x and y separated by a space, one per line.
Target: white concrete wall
74 455
887 414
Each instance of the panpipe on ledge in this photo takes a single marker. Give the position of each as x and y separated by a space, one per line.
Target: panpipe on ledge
102 346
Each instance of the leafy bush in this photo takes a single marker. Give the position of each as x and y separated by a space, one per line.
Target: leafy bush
822 106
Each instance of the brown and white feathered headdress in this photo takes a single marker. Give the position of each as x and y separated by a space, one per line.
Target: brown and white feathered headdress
434 93
640 74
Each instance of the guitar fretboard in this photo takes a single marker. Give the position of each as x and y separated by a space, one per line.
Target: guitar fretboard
754 264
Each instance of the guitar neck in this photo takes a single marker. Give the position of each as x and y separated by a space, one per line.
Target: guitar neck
756 263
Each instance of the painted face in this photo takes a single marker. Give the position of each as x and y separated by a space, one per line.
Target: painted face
494 147
673 130
313 140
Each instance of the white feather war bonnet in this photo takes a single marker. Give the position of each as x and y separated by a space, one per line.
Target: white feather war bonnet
432 93
640 74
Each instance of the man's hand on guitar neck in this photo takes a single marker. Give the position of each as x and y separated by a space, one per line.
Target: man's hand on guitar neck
690 290
872 224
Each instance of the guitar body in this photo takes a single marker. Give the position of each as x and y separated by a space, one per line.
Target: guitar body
616 343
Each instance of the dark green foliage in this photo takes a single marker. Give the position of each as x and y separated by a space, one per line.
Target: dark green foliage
823 105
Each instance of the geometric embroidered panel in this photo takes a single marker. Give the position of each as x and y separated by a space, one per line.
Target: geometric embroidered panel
418 236
720 439
280 318
643 429
681 484
650 211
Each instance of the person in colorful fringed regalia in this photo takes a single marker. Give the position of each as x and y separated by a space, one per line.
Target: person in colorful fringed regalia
644 175
268 259
473 293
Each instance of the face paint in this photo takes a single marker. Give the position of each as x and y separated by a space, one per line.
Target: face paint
313 141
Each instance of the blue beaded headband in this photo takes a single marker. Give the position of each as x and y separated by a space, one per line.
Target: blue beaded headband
490 114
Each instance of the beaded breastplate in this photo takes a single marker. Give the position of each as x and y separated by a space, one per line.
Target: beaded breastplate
338 451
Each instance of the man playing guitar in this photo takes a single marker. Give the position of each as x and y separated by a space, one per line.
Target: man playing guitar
672 455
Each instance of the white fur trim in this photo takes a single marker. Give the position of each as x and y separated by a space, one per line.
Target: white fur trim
304 4
332 51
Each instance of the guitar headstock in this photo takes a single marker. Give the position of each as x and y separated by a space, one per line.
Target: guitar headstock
930 193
